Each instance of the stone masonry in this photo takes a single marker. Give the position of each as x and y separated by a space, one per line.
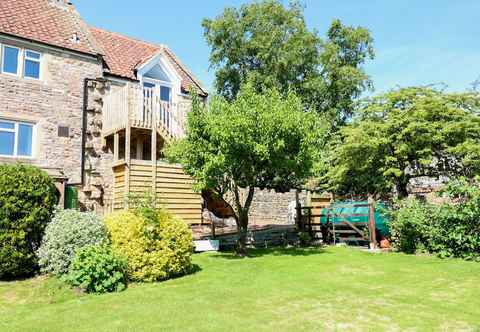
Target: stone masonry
270 207
55 100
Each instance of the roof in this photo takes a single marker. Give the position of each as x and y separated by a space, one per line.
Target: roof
124 55
53 22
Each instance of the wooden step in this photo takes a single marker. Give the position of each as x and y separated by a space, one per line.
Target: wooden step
348 239
344 231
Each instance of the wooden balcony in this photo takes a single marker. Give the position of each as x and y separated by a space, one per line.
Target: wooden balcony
134 116
172 187
137 107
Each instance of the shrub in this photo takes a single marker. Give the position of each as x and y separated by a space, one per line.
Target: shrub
156 244
409 224
449 230
69 231
27 200
455 230
96 269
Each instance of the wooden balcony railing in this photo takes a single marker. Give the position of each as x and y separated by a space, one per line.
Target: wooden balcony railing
142 108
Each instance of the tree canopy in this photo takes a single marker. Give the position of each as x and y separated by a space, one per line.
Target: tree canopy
256 141
270 45
403 134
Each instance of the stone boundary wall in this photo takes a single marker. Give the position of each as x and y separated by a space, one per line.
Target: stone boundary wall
270 207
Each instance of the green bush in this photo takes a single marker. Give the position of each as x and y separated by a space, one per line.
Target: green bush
69 231
455 230
448 230
156 244
96 269
410 221
27 200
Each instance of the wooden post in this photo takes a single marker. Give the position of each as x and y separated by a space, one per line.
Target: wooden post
116 146
128 133
310 229
371 222
213 229
154 148
298 210
334 234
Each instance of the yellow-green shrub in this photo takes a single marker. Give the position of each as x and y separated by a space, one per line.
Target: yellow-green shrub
157 245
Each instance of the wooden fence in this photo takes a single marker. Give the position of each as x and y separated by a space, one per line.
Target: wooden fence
172 188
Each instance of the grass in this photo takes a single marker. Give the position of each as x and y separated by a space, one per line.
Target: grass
275 290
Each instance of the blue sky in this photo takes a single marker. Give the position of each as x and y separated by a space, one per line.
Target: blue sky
417 42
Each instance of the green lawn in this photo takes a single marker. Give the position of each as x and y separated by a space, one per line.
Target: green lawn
283 290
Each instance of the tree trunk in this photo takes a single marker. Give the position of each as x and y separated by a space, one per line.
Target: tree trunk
401 188
242 220
241 245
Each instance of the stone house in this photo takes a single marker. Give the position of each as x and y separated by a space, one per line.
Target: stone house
94 109
82 103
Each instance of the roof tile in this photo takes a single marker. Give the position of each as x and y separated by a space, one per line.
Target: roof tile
53 22
124 55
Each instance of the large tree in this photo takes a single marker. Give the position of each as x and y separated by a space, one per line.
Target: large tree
270 44
404 134
256 141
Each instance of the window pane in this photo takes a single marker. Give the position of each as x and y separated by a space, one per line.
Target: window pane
25 140
32 55
165 93
6 125
10 60
32 69
148 85
6 143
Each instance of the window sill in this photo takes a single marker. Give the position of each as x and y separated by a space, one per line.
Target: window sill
25 160
21 78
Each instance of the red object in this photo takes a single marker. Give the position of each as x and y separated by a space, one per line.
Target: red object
384 243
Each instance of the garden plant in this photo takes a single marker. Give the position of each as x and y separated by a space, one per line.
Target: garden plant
27 201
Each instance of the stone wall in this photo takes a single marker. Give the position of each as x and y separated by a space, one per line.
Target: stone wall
98 176
55 100
269 207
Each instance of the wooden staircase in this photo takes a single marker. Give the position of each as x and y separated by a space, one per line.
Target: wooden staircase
325 224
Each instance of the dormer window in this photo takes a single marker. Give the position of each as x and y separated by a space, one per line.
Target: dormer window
156 78
162 89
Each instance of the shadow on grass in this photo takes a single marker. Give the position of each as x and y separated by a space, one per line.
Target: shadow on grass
193 269
255 253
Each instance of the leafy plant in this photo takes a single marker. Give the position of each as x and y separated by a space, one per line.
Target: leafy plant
456 226
401 135
304 238
69 231
27 200
269 44
257 141
449 230
157 245
96 269
410 222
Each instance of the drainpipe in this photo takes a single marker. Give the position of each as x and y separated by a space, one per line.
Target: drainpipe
84 130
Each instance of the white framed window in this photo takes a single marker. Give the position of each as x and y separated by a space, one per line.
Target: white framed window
20 62
10 59
163 88
16 139
32 64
